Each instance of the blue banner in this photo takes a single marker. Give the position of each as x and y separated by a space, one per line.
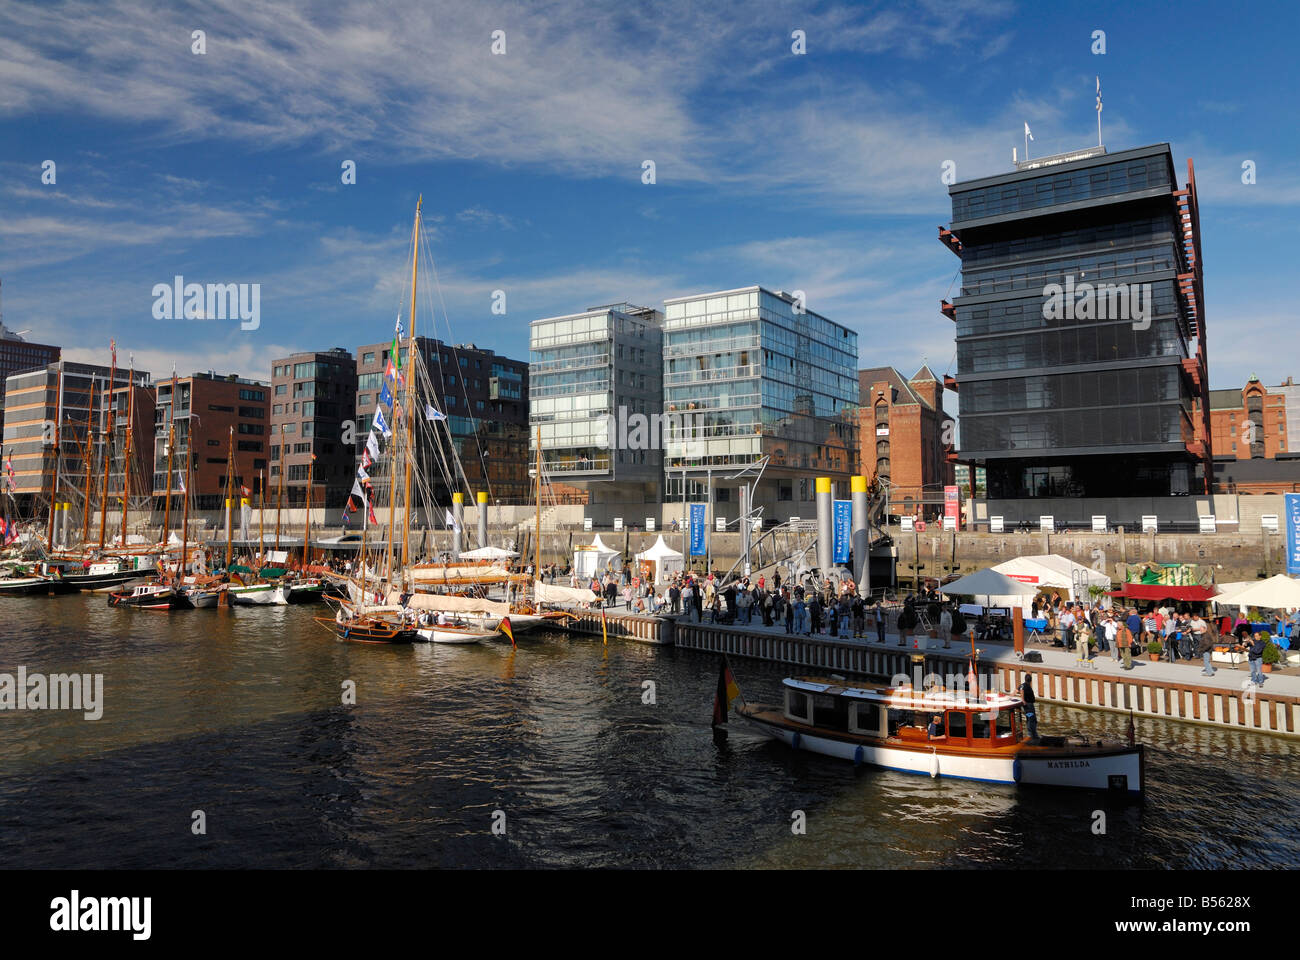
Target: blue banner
697 529
842 528
1293 533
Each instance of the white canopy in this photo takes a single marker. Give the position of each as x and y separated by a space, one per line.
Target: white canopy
592 559
666 560
1052 570
996 588
1277 593
487 553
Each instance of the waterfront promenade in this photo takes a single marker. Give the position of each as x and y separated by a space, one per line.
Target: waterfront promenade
1173 691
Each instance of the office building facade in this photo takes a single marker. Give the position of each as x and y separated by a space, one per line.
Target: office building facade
17 355
212 414
36 411
313 395
483 443
1081 349
753 378
595 383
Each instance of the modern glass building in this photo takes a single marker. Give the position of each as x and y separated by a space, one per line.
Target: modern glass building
594 382
748 374
1081 355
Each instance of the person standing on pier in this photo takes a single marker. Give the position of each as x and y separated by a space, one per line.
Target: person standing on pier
880 620
1257 643
674 598
1124 641
1205 641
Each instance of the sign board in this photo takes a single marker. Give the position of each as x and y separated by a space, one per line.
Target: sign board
841 530
951 503
1098 523
618 523
1149 523
1292 513
905 523
1047 524
650 524
1208 523
1269 522
950 523
995 525
586 524
882 431
720 524
1023 577
920 525
697 529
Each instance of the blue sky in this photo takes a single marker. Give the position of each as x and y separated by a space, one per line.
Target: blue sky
818 172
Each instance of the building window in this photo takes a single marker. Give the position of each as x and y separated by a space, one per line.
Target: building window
368 357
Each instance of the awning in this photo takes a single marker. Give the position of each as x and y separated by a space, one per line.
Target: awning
1159 591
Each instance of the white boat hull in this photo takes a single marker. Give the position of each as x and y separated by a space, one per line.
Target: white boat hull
443 635
269 596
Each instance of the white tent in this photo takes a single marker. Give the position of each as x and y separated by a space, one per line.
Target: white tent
487 553
1276 593
666 560
996 589
1052 571
594 558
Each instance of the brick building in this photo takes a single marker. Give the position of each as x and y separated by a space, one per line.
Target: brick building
207 407
1250 423
902 428
313 394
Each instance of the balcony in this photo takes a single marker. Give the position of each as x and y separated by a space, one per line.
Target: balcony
713 374
582 465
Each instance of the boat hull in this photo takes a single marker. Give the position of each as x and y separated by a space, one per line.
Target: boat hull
1117 771
270 595
151 600
24 586
449 635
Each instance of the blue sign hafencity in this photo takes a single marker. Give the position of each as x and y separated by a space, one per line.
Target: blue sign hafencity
697 529
1292 532
842 526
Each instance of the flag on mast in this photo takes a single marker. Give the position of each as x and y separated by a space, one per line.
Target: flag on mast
509 632
432 414
728 690
1027 133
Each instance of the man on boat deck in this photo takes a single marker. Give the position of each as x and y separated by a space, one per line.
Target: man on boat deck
1027 699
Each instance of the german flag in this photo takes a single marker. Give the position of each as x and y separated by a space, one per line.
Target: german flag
728 690
506 629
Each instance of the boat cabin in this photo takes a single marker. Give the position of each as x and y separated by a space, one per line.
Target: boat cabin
902 713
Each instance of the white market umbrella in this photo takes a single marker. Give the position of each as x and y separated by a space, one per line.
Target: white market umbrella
1278 593
487 553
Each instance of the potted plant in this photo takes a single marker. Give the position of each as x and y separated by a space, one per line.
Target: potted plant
1271 655
1154 649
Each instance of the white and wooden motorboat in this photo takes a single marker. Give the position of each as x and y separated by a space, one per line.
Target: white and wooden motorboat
975 737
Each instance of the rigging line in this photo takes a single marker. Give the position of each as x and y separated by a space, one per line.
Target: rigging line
487 480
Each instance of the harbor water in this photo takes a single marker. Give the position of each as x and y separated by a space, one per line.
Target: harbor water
240 714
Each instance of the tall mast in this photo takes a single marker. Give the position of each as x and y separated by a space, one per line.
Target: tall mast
410 394
185 522
58 455
537 567
171 446
306 519
261 513
108 439
279 494
126 447
230 508
90 449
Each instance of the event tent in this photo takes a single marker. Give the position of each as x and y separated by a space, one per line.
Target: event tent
666 560
593 559
487 553
1054 572
997 589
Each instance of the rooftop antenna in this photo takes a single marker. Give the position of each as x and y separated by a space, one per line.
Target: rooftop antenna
1099 110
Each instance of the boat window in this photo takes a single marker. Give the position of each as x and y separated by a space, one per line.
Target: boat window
957 725
866 718
831 713
899 718
980 726
1003 724
798 706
